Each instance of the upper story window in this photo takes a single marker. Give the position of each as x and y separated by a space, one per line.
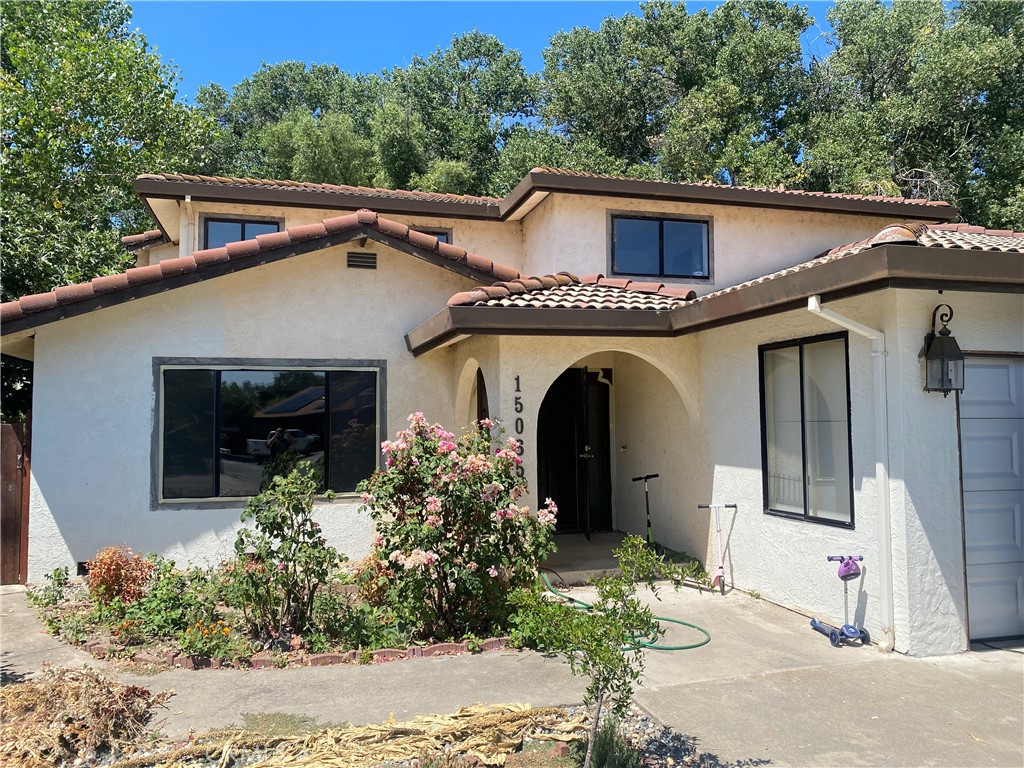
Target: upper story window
442 235
660 247
805 430
219 232
226 431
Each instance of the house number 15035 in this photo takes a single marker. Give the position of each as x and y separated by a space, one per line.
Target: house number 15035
519 425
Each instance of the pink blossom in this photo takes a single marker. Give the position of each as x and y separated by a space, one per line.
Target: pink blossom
416 418
432 521
492 572
440 433
477 465
552 507
486 423
471 565
281 566
490 491
368 498
446 446
433 504
377 540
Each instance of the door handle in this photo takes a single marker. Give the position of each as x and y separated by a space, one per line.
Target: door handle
21 461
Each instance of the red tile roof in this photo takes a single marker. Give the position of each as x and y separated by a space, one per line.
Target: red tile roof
955 236
779 190
143 239
567 291
256 251
231 181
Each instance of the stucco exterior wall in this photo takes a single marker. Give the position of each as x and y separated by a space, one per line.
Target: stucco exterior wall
784 559
572 233
94 397
498 241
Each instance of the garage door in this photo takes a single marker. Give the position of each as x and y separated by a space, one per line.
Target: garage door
992 453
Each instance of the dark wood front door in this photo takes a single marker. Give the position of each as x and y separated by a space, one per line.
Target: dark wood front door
13 504
574 451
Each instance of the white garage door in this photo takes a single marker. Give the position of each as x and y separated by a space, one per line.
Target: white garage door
992 452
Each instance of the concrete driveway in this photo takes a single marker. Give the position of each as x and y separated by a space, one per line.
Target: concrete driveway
766 691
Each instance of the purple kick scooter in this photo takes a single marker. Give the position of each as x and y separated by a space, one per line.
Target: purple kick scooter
848 571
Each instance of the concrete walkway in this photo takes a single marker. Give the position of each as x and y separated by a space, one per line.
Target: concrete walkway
766 691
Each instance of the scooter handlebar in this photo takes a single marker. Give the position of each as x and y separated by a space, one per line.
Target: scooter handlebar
723 506
841 558
643 477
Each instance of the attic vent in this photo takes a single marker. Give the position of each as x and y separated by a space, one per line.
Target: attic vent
358 260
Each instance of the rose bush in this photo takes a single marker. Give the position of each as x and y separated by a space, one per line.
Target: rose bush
451 539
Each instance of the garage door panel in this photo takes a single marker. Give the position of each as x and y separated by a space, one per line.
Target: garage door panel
991 452
996 600
994 526
993 389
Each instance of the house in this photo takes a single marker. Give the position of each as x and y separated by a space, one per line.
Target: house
757 347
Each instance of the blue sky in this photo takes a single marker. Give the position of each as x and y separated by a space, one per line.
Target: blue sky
225 42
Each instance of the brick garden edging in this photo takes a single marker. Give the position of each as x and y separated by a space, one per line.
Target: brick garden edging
266 660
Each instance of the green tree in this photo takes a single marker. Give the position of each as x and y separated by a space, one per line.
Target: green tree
400 141
923 100
85 106
325 149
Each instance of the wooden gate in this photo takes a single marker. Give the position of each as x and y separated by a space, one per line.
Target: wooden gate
14 473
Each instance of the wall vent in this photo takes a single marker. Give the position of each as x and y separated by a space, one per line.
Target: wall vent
358 260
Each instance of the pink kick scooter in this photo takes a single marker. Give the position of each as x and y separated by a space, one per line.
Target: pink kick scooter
718 579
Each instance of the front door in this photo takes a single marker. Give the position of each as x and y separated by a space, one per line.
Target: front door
992 456
574 451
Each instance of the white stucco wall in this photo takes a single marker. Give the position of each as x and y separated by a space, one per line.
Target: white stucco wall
94 393
572 233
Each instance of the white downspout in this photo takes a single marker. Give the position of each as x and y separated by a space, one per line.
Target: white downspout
189 227
888 641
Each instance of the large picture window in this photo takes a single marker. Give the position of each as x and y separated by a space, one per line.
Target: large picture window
225 430
660 247
805 431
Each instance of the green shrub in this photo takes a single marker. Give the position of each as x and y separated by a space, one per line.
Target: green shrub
174 600
611 750
283 560
451 539
212 639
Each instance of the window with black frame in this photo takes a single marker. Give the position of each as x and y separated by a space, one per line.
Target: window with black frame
219 232
805 406
653 247
226 431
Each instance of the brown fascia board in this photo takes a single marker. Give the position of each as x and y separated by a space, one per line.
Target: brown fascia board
310 198
886 266
541 181
37 319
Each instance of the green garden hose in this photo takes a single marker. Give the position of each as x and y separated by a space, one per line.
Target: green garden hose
638 643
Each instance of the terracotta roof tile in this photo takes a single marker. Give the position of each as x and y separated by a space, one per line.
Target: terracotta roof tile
248 249
958 236
143 239
344 189
566 291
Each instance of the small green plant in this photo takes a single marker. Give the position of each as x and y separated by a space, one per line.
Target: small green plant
212 639
755 594
51 591
603 644
73 628
611 750
366 656
174 600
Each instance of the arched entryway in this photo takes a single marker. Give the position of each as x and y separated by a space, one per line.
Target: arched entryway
612 416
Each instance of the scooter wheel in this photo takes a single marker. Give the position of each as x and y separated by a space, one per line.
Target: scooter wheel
833 637
865 638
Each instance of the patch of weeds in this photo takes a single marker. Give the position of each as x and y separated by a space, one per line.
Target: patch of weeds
611 750
366 656
755 594
275 724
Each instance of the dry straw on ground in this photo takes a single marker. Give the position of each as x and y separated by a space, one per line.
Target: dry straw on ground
68 714
489 733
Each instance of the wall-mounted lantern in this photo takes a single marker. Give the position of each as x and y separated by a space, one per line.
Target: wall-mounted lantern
943 360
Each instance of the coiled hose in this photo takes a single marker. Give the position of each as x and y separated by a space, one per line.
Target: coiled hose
637 643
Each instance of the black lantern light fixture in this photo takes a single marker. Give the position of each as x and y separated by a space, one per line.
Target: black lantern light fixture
943 360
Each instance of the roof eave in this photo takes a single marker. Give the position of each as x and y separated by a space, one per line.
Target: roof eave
885 266
149 187
545 181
